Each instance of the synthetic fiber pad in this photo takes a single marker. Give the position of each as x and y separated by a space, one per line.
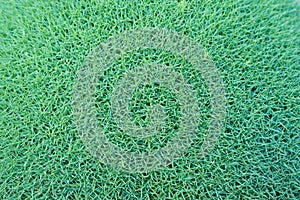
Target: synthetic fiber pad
143 99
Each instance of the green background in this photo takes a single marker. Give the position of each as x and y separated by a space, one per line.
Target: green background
255 46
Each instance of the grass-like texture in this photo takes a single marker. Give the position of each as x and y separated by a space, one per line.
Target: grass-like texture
255 46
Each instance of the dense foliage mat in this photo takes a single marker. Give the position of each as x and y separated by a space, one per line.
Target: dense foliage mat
254 45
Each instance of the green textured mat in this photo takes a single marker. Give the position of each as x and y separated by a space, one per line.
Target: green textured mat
253 44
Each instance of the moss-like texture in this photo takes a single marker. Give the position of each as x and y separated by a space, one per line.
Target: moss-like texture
254 44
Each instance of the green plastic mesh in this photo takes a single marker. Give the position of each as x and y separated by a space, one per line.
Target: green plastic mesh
151 74
77 124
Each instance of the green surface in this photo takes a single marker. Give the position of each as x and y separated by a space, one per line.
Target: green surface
255 46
